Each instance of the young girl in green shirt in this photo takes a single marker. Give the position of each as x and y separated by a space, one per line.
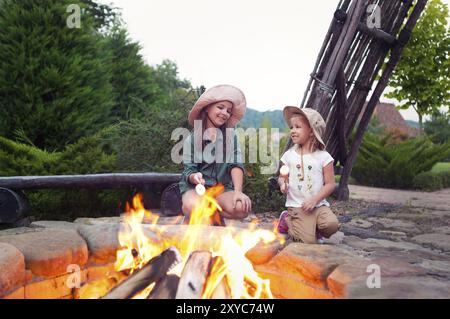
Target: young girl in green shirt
218 109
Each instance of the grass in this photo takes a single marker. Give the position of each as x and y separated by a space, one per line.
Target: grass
441 167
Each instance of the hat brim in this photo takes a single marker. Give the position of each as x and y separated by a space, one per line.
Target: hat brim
217 94
290 111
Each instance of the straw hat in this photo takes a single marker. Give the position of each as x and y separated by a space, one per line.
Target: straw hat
315 120
220 93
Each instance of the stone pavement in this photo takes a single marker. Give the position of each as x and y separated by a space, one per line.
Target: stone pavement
403 235
438 200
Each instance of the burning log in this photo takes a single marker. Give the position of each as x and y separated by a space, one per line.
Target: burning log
195 273
221 290
152 272
166 288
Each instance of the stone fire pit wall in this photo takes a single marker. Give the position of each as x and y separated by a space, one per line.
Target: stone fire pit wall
37 262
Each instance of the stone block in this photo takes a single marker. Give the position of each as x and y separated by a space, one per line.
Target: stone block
48 252
12 269
312 263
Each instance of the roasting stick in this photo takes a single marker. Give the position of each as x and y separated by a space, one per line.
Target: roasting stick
152 272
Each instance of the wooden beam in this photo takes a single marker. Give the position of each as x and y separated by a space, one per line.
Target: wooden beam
114 180
342 107
377 34
396 54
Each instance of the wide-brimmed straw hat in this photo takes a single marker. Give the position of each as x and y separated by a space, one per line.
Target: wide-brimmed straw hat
315 120
220 93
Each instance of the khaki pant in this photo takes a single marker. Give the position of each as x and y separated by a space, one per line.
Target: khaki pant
303 225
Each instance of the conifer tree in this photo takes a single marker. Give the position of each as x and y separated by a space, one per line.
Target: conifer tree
54 84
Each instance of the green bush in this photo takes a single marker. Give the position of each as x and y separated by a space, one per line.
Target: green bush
89 155
431 181
256 184
428 181
382 164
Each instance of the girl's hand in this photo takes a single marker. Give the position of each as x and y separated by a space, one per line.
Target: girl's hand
244 199
196 178
309 204
283 185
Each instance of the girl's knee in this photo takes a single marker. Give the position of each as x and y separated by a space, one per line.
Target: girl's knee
329 226
188 203
236 212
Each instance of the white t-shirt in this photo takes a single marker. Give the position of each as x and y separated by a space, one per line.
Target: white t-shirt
299 191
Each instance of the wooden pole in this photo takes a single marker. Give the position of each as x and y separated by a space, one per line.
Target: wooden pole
115 180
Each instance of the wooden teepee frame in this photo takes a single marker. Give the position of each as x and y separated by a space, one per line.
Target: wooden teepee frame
353 56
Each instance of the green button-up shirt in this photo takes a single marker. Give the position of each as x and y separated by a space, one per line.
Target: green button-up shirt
213 169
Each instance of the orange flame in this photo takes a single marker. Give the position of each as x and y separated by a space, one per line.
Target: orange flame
231 267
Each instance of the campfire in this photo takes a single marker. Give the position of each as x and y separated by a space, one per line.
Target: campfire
151 265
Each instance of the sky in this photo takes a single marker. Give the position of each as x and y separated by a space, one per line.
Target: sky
267 48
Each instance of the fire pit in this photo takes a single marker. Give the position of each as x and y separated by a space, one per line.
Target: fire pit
194 262
137 257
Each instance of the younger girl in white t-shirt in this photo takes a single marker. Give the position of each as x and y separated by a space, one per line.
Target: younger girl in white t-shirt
310 180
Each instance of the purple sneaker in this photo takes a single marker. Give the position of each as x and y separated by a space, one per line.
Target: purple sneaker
320 237
282 226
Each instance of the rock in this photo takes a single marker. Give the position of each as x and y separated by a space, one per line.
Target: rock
437 267
102 240
263 253
284 285
98 221
412 256
12 269
360 223
394 234
18 230
436 240
16 294
312 263
374 244
442 230
336 239
362 233
357 273
409 287
56 287
48 252
396 224
54 224
170 220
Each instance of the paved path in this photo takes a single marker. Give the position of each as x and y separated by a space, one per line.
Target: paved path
439 200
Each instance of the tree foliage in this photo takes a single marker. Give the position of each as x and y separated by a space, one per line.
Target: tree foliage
53 83
421 80
438 128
